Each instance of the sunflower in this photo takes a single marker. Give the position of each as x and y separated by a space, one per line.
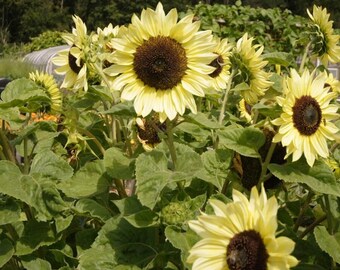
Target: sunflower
332 82
324 42
241 236
71 61
245 110
247 60
161 63
305 122
222 64
48 83
147 131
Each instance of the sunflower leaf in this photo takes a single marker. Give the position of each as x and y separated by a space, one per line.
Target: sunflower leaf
328 243
319 177
150 185
245 141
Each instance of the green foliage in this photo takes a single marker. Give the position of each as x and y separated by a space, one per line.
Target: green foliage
277 30
81 192
45 40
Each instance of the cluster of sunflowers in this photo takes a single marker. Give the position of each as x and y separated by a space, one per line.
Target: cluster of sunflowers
170 71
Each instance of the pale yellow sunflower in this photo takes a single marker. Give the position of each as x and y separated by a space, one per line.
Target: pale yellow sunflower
325 43
249 64
241 235
245 110
162 64
332 82
148 130
49 84
71 62
306 120
220 76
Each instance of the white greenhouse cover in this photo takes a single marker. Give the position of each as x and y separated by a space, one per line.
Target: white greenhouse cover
42 60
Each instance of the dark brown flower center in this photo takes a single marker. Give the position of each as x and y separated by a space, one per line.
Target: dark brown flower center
247 107
72 63
217 63
246 251
307 115
149 132
160 62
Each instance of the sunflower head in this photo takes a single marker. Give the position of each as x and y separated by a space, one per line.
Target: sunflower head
162 63
148 130
241 235
50 86
306 120
245 110
324 42
220 76
247 62
72 62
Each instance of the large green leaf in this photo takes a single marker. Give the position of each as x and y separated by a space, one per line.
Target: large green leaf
36 263
150 185
35 235
20 92
181 240
245 141
144 218
49 164
6 251
279 58
9 211
216 166
12 116
202 120
117 164
89 180
319 177
120 245
38 192
328 243
94 209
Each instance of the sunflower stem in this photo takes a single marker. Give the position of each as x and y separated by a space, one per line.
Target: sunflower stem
26 157
225 98
304 58
265 165
170 142
303 211
7 149
329 216
120 188
311 227
95 140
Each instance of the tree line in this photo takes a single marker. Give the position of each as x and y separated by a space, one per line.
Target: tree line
23 19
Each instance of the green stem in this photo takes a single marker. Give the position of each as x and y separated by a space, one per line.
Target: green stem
170 142
172 149
2 155
265 164
303 211
26 157
311 227
329 215
120 188
304 58
225 98
95 140
7 147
